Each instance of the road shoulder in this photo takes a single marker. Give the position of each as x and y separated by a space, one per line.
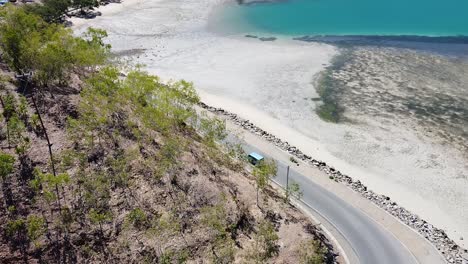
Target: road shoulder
422 250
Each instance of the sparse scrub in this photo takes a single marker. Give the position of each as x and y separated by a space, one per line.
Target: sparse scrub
130 172
265 243
312 252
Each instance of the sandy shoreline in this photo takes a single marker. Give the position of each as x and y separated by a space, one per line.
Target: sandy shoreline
268 83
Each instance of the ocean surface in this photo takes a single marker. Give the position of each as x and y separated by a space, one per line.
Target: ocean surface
345 17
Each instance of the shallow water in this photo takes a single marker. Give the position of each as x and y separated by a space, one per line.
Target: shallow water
358 17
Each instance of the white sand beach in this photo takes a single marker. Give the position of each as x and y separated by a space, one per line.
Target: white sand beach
271 84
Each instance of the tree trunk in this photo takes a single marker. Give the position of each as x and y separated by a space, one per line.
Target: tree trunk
258 205
49 145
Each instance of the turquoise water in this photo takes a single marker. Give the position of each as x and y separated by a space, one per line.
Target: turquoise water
352 17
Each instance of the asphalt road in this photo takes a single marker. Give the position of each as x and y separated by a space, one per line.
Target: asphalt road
370 242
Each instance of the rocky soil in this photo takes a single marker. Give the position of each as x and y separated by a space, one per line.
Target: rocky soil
178 204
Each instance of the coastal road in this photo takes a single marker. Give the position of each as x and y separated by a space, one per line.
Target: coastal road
364 239
361 231
370 242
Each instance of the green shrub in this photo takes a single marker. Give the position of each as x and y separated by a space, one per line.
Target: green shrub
312 252
265 243
49 50
6 165
14 227
36 227
138 218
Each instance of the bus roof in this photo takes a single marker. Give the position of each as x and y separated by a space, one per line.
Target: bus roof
256 156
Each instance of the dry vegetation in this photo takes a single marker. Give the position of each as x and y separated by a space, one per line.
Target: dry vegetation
133 174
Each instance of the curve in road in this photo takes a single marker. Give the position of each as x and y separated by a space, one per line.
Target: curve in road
371 242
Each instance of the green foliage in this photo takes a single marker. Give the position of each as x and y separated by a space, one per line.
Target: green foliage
17 135
9 106
14 227
14 114
312 252
18 34
11 209
268 238
6 165
166 257
35 226
236 158
50 50
139 97
99 217
114 109
35 123
263 173
96 188
23 108
235 151
68 158
168 156
48 183
90 50
265 242
167 225
293 190
55 59
119 169
215 217
50 10
213 129
138 218
85 4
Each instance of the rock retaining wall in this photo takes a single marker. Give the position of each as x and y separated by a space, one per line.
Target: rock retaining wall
447 247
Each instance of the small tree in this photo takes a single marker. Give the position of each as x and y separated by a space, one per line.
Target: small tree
50 10
138 218
49 185
213 130
85 4
36 227
16 129
15 228
19 37
6 165
263 173
293 190
55 58
99 217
